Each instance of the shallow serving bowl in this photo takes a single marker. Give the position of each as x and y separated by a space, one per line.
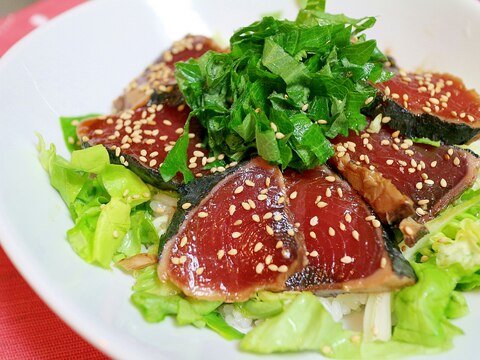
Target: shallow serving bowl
79 62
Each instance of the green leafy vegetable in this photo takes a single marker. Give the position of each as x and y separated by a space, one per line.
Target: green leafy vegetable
105 202
250 99
69 130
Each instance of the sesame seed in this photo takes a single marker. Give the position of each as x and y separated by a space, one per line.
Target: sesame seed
273 126
370 218
246 206
282 268
262 197
267 216
456 161
183 242
427 109
232 252
153 162
389 162
321 204
268 259
305 107
277 217
322 122
331 231
175 260
273 267
387 91
269 230
290 232
293 195
279 135
342 226
202 214
249 183
433 164
383 263
238 190
346 259
348 218
330 178
251 203
420 211
231 209
340 192
434 101
238 222
256 218
199 271
259 268
376 223
313 235
198 153
419 185
450 152
236 235
167 122
314 253
369 100
279 244
314 221
424 258
267 182
470 118
258 247
355 235
328 192
183 259
220 254
115 234
443 183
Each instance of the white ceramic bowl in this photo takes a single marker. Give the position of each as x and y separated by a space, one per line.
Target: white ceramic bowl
79 62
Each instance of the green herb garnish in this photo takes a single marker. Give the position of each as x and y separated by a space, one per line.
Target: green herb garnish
284 89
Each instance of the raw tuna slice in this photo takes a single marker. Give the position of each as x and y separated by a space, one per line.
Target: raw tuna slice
233 235
141 139
434 106
402 179
158 78
347 248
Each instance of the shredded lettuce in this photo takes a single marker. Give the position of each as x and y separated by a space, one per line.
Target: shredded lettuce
155 300
105 202
69 130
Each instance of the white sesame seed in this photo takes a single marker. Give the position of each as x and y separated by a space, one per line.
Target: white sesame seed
369 100
269 230
331 231
199 271
183 242
183 259
259 268
376 223
262 197
186 206
236 235
238 190
282 268
268 259
249 182
314 221
355 235
273 267
220 254
279 244
202 214
330 178
314 253
267 216
246 206
293 195
258 247
279 135
313 235
346 259
232 252
231 209
256 218
321 204
443 183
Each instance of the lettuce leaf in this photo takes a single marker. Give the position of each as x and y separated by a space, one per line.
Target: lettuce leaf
105 202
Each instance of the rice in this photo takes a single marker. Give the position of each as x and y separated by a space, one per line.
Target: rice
163 206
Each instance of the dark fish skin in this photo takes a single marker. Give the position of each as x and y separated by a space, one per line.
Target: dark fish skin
436 106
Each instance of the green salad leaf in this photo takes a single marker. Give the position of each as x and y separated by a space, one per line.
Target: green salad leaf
105 202
69 130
